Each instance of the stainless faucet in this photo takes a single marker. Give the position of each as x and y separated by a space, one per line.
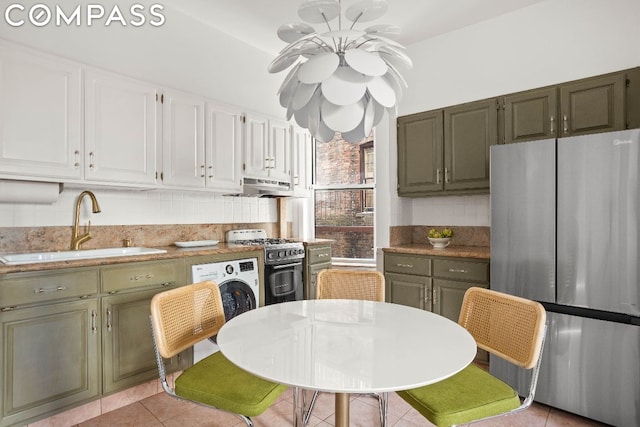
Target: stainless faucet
76 239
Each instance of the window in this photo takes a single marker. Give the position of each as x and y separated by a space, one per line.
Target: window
344 195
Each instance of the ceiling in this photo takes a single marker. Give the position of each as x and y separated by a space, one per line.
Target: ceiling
256 21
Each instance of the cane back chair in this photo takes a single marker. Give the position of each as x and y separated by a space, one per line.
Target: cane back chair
186 315
506 326
368 285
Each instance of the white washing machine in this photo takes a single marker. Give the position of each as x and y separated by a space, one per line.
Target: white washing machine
239 284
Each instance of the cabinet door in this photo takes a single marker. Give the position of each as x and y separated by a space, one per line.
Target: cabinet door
120 129
311 278
447 302
448 296
128 354
280 150
40 116
414 291
256 151
49 359
420 161
223 148
592 106
301 148
531 115
470 129
183 157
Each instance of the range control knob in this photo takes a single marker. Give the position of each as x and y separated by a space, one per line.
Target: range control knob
271 255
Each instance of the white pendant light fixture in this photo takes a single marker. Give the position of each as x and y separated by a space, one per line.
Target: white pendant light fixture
342 80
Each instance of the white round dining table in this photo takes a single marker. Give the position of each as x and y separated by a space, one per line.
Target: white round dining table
346 346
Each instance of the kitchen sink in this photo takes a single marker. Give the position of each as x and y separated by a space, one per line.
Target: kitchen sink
33 257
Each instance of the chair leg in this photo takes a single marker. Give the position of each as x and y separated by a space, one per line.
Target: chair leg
383 406
307 411
247 420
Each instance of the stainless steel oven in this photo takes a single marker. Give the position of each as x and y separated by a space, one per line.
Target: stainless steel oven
283 281
283 267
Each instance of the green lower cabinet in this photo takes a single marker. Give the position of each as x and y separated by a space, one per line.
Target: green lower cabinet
317 258
127 345
436 284
50 359
128 355
405 289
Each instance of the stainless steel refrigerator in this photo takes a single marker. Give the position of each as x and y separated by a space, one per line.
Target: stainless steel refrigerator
565 231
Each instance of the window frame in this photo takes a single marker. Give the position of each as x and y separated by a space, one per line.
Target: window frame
354 262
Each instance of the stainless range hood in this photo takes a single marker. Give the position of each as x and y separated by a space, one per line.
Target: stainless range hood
258 187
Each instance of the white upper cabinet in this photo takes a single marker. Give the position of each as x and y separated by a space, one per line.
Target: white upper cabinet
257 163
121 124
280 150
223 147
301 150
40 116
183 149
267 148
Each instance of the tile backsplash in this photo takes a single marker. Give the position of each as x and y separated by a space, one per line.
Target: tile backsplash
463 235
130 207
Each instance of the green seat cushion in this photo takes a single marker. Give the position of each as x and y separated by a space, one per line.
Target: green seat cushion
217 382
469 395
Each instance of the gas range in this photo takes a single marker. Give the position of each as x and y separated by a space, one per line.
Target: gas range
276 250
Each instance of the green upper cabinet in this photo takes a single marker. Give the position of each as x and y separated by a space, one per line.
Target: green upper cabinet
469 130
598 104
420 157
446 151
530 115
593 105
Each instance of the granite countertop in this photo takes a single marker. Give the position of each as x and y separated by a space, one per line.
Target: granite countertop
172 253
478 252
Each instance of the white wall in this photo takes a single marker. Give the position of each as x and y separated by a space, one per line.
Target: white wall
132 207
547 43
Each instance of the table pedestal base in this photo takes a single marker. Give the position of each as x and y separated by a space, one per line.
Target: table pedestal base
342 409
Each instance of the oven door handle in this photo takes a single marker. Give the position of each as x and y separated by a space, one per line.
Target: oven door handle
279 267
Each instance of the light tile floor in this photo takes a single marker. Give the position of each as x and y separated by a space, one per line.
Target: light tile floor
162 410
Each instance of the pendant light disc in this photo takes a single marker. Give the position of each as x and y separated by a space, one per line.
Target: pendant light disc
365 62
345 86
316 11
382 92
319 67
342 118
292 32
366 10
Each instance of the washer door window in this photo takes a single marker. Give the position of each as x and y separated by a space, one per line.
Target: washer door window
237 297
